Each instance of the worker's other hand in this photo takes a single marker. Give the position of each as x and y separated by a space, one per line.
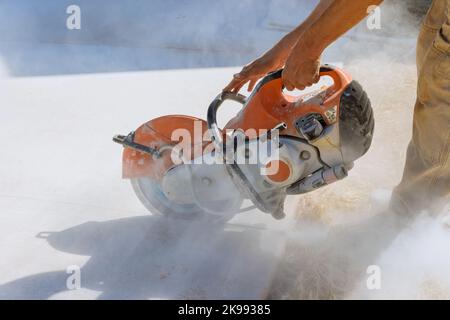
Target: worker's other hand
300 71
254 71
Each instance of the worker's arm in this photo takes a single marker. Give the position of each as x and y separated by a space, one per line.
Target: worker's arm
300 50
276 57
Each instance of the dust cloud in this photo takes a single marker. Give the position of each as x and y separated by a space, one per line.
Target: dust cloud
345 228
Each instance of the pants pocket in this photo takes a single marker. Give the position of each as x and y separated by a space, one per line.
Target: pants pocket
434 78
443 47
443 68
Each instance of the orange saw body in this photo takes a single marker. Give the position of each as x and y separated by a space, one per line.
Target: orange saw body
316 136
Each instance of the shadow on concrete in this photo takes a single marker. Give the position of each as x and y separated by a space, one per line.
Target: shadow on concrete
147 257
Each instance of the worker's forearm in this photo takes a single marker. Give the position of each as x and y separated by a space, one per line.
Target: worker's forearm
285 45
335 19
326 23
292 37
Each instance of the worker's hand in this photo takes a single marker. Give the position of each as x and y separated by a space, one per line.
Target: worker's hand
254 71
301 69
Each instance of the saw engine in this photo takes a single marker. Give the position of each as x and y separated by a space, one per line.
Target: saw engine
277 145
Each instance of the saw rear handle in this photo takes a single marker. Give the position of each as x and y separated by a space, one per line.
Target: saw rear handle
325 70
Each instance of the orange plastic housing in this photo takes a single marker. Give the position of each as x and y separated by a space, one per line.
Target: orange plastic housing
266 108
270 106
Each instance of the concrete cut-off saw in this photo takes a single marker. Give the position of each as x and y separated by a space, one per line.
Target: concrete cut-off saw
277 145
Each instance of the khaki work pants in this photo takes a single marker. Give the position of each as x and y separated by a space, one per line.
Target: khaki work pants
426 179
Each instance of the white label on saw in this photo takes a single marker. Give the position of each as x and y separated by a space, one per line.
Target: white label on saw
331 114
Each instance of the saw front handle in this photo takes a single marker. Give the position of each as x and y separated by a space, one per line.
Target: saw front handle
211 118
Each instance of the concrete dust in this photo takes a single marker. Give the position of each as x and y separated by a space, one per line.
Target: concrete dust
392 95
73 208
346 227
